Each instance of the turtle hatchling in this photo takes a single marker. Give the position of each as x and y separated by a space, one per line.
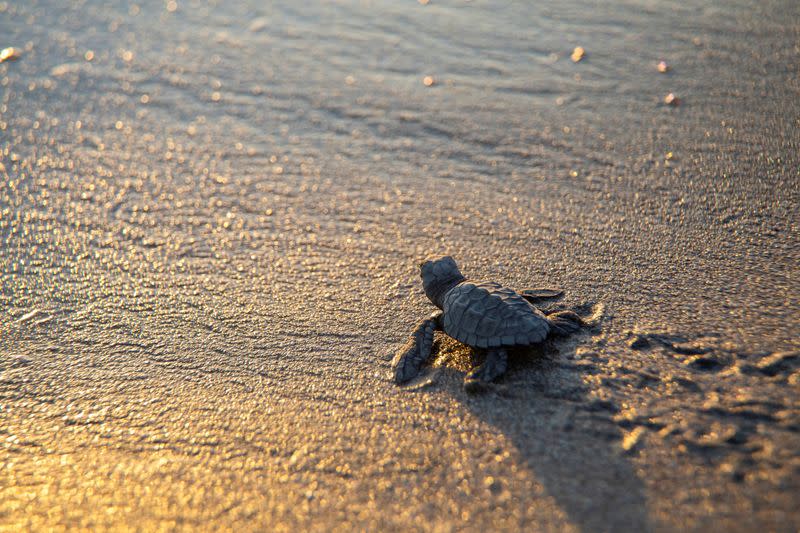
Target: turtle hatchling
483 315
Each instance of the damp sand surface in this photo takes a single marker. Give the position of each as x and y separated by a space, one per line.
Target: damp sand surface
211 217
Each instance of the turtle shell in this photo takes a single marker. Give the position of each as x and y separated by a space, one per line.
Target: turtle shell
486 314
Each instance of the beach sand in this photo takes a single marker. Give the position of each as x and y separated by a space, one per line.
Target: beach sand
211 220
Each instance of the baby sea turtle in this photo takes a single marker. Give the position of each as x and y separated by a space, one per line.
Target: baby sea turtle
483 315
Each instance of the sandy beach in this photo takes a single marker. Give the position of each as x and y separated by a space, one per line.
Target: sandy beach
211 218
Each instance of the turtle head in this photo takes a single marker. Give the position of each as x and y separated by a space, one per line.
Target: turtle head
439 276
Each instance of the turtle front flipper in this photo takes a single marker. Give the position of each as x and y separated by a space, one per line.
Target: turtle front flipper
492 368
416 352
538 295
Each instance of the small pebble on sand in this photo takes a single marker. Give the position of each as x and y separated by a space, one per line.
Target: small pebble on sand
672 100
428 81
10 54
578 53
663 67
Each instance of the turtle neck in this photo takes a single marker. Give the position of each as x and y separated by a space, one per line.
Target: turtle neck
439 290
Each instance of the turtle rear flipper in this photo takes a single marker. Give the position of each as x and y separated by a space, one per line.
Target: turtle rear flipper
492 368
565 322
540 294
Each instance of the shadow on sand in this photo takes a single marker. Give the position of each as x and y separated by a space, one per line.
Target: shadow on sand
567 437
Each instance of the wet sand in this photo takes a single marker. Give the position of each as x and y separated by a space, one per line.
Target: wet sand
211 217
